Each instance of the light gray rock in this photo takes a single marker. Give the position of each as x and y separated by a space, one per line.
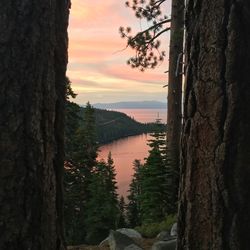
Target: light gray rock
164 235
164 245
173 231
130 233
119 241
132 247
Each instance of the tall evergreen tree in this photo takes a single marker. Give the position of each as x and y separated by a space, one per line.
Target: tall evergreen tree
147 45
102 211
33 64
174 98
122 213
134 205
72 122
153 186
79 164
214 211
74 204
87 147
111 178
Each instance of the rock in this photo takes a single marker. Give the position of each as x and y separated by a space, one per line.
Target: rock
164 235
104 243
130 233
173 231
119 241
132 247
164 245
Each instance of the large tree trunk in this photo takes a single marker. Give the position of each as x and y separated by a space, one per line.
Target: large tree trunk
33 52
174 113
214 211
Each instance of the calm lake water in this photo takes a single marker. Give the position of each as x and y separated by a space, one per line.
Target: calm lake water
145 115
125 151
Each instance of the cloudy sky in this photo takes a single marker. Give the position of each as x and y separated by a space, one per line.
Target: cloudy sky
97 65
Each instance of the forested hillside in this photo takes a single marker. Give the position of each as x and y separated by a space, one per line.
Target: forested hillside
110 125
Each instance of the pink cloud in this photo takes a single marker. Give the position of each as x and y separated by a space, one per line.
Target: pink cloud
91 14
94 65
84 51
125 72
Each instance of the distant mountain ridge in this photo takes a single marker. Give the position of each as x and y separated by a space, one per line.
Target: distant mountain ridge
132 105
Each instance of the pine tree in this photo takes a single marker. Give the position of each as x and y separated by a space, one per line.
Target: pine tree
80 161
153 196
148 54
134 206
33 64
72 123
158 138
86 140
74 204
98 214
214 210
111 175
153 189
122 216
102 211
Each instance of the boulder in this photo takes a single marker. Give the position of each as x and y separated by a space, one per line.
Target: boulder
164 245
119 241
130 233
173 231
164 235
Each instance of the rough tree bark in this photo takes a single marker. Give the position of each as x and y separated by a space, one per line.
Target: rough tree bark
214 211
174 111
33 52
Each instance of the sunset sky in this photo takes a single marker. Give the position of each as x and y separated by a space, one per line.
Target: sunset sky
97 70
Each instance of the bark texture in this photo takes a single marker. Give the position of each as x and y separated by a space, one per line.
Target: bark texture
214 211
174 113
33 52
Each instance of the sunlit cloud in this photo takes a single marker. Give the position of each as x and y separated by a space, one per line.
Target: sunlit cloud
93 50
97 62
123 72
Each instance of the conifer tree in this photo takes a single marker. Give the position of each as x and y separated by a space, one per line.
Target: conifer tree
148 54
87 147
122 216
73 204
111 178
102 211
33 54
80 161
153 196
158 138
72 122
134 207
153 187
214 210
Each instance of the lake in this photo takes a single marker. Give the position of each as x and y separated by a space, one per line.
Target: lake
145 115
126 150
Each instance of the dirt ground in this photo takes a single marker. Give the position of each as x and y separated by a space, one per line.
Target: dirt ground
146 244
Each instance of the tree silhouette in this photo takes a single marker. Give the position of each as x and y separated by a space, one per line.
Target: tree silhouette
33 84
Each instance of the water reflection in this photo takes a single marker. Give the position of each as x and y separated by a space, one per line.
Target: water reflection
124 152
